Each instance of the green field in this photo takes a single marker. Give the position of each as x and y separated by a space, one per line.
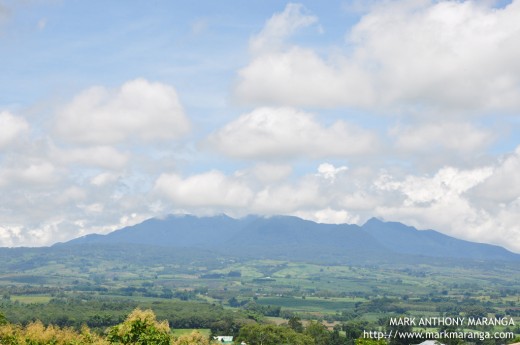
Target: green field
200 291
31 299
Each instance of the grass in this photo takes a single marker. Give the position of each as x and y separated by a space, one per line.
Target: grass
31 299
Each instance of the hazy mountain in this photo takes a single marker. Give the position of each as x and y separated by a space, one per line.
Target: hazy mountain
293 238
408 240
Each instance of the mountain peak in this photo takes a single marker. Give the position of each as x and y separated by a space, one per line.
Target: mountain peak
290 237
374 220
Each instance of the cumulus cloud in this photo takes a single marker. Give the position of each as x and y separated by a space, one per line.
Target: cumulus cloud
138 111
314 196
287 132
11 128
448 55
85 175
211 189
446 183
270 173
11 235
458 202
103 179
106 157
300 77
329 216
454 202
503 186
281 26
92 172
453 136
287 198
329 171
479 204
31 173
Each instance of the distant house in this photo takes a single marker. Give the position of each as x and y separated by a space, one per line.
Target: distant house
224 339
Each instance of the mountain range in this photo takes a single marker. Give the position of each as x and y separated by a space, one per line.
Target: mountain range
292 238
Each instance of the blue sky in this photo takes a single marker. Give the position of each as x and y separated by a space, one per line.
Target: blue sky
338 111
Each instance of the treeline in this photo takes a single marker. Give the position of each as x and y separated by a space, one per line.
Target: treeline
139 327
99 313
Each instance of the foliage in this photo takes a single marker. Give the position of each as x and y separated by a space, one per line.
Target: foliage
366 341
140 328
101 312
37 334
296 324
3 320
257 334
194 338
318 332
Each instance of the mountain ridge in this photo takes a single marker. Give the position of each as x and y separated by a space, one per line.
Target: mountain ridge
293 238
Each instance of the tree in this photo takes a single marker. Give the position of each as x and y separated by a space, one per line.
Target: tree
354 330
140 328
194 338
318 332
295 323
256 334
3 320
335 337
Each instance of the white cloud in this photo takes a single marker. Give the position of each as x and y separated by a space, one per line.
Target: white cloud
363 202
106 157
11 128
269 173
329 216
452 200
447 55
503 186
446 201
138 111
436 59
300 77
72 194
30 173
289 198
11 236
480 204
86 174
279 27
452 136
329 171
446 183
286 132
103 179
211 189
454 54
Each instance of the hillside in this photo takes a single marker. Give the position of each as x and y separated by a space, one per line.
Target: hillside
292 238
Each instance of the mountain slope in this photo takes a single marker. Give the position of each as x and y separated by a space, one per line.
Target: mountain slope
408 240
292 238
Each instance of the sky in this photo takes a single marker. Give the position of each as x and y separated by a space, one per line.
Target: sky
113 112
